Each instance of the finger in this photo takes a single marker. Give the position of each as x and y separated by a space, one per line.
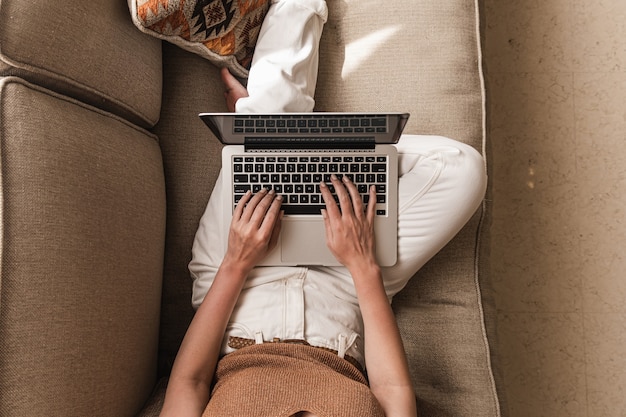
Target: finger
272 214
241 205
230 105
327 226
261 209
331 207
224 74
371 205
344 198
252 204
229 80
276 231
357 201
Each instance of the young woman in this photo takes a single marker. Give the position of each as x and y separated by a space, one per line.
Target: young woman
311 341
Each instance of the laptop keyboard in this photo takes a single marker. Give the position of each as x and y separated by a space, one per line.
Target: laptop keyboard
309 124
297 178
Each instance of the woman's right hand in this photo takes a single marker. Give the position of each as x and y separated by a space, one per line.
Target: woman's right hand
253 233
254 229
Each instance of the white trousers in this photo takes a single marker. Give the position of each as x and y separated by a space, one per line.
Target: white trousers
283 73
441 184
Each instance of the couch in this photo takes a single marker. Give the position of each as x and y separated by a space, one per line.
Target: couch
105 170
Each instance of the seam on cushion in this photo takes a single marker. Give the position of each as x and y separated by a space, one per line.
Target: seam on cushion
76 84
494 390
2 242
17 80
484 209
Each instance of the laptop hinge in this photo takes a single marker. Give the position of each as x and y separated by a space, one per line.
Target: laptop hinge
308 143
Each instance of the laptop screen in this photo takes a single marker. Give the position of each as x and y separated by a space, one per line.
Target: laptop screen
299 129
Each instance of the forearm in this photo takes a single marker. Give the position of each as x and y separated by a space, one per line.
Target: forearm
385 356
192 374
350 237
254 230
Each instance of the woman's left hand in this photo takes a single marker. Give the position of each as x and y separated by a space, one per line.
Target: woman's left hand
349 231
234 90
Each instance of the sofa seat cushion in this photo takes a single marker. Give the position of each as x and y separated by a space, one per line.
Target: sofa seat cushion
424 57
87 50
224 32
419 56
81 250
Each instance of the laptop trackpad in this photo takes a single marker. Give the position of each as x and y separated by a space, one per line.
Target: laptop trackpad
303 242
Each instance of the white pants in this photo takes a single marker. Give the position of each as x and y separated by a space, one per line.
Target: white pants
441 184
283 73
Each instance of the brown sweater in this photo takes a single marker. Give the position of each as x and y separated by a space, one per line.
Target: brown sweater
279 380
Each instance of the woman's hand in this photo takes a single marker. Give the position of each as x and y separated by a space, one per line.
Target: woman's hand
234 90
253 233
350 232
350 237
254 229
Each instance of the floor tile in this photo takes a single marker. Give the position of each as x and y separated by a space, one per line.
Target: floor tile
599 35
529 35
605 338
556 73
536 261
544 364
601 171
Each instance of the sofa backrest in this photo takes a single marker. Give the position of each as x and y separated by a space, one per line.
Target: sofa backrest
87 50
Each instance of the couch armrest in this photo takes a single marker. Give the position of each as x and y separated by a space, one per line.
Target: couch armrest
82 237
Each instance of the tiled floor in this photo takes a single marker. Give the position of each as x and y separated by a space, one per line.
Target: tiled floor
556 72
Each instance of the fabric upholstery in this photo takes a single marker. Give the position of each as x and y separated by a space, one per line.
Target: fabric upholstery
87 50
98 219
83 225
417 56
436 75
192 159
421 57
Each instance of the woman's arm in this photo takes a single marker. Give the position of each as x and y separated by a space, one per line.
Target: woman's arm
253 233
350 236
387 367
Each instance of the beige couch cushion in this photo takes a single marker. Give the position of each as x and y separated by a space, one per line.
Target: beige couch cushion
87 50
418 56
424 57
82 231
192 159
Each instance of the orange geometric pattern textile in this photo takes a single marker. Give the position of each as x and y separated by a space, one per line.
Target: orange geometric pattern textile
225 27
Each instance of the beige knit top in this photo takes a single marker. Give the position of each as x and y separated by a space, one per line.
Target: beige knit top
279 380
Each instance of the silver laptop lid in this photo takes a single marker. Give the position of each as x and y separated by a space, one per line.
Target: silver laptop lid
309 130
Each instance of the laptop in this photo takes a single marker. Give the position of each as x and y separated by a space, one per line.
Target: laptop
292 153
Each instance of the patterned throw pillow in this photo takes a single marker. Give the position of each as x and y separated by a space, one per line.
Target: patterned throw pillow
223 31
